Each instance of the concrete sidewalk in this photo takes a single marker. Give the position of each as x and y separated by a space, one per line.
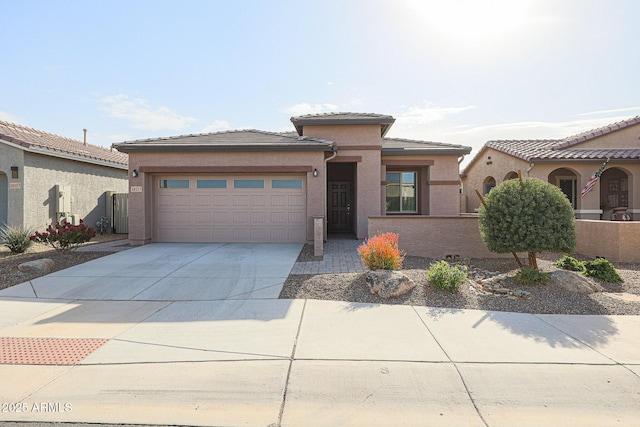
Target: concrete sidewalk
301 363
140 337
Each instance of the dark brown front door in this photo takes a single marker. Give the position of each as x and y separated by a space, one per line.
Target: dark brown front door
340 209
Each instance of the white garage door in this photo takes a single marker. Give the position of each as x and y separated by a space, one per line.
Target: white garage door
242 208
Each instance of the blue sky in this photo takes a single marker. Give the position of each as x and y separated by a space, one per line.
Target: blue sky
451 71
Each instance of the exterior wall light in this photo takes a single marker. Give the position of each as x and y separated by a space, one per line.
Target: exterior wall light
14 172
315 172
134 173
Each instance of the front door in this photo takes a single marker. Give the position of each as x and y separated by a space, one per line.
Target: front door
340 209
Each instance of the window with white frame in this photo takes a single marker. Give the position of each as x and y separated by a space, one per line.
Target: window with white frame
402 192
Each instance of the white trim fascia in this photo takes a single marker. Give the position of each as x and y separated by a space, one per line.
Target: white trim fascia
68 156
588 211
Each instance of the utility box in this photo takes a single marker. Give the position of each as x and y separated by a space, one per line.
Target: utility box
63 200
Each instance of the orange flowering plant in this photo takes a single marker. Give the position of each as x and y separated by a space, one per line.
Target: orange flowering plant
381 252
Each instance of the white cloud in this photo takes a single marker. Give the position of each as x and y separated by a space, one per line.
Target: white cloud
306 108
142 115
8 117
417 116
617 110
216 126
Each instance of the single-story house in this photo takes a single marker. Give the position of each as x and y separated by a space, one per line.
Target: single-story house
46 177
568 163
336 170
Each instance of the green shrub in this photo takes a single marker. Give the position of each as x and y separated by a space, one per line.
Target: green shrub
16 238
381 252
527 215
602 269
446 277
64 237
532 276
570 263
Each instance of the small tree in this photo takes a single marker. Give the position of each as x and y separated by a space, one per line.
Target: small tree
527 215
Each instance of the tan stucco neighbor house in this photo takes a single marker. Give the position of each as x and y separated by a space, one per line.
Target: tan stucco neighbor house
336 169
46 177
568 163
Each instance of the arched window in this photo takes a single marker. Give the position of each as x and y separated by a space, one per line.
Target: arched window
488 184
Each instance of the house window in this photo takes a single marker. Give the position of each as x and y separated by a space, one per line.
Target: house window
211 183
402 195
489 183
286 183
248 183
174 183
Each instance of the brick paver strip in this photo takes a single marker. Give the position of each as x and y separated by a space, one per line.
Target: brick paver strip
47 351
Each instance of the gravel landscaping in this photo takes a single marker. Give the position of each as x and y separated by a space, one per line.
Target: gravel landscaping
10 275
548 299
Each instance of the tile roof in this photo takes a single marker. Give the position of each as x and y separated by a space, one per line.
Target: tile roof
549 149
411 146
594 133
235 140
344 119
563 149
58 146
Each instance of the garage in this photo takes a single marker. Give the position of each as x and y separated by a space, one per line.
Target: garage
230 208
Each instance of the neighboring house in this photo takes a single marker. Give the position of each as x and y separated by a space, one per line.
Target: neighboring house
45 177
256 186
568 163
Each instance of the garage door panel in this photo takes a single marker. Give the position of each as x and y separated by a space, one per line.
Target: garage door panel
217 213
241 200
295 200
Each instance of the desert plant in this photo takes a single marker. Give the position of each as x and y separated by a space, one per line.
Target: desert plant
530 276
527 215
15 238
64 237
602 269
381 252
447 277
570 263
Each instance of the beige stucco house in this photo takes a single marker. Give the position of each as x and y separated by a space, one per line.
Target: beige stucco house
337 170
568 163
46 177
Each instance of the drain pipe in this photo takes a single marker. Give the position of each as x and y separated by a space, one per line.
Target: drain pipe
326 183
531 167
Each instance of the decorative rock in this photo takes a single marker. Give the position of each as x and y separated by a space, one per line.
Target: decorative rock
388 283
44 265
572 282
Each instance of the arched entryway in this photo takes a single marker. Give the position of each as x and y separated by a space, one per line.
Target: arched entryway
4 199
615 191
567 180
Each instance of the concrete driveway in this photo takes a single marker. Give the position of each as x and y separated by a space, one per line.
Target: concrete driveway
131 339
172 272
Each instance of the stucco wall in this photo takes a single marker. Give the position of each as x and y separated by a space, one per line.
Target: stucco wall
358 141
141 203
10 156
489 163
435 237
614 240
87 183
